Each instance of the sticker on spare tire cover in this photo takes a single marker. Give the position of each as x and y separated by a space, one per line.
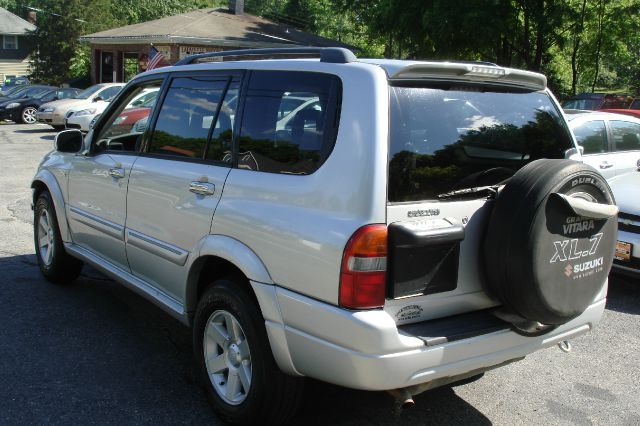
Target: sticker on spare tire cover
570 250
580 243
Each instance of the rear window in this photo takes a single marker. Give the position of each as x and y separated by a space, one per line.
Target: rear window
444 140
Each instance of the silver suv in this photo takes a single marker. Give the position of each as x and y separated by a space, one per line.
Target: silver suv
376 224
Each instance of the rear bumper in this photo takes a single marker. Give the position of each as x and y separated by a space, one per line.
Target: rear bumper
365 350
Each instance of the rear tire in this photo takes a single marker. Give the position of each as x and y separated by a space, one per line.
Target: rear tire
236 366
55 263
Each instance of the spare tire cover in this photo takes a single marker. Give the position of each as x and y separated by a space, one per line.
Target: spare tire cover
543 262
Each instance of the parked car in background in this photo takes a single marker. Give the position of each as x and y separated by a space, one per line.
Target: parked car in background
83 118
54 113
8 106
597 101
611 142
139 109
633 110
23 110
626 189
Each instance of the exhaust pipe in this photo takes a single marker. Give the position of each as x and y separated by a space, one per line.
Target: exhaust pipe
402 397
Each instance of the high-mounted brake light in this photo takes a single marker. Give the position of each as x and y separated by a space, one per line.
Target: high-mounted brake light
364 269
486 71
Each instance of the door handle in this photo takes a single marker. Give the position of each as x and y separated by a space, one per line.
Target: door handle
605 165
116 173
202 188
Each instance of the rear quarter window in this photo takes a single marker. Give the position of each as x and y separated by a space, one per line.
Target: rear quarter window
449 139
290 121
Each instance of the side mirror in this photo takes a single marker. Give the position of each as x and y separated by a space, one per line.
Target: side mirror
68 141
97 98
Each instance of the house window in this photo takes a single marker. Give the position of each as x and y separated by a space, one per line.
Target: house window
10 42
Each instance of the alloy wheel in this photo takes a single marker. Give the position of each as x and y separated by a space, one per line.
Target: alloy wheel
227 357
46 238
29 115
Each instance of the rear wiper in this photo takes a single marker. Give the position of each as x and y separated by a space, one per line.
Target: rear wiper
487 191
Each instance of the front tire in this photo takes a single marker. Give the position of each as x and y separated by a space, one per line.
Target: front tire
237 369
28 115
55 263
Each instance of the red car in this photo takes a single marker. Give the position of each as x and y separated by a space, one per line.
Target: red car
633 110
127 119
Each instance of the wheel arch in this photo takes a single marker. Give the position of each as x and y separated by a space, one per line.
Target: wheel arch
46 181
221 256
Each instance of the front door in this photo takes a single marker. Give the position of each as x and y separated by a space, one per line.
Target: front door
98 181
177 182
96 206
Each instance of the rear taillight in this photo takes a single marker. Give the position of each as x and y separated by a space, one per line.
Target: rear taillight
364 269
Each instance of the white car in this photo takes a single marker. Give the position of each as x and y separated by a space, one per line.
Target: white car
626 189
54 113
414 225
83 119
611 142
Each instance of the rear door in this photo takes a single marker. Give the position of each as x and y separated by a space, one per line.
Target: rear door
447 143
177 182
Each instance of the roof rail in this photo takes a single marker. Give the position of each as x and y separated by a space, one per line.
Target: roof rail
336 55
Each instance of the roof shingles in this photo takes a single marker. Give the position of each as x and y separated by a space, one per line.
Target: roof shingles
211 26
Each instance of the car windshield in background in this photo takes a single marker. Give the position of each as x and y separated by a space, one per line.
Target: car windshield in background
43 94
460 139
86 94
586 104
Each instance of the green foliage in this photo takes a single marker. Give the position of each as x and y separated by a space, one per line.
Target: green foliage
55 41
580 45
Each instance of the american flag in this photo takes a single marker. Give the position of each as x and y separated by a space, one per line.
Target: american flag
155 58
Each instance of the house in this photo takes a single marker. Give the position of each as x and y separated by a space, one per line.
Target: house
14 49
120 53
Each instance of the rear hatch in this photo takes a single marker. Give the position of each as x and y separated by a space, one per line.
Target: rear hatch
451 144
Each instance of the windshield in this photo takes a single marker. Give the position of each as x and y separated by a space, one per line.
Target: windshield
18 93
587 104
43 94
635 104
86 94
454 139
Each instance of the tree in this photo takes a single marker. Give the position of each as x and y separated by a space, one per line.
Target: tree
55 41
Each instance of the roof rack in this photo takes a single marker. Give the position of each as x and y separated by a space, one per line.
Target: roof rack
336 55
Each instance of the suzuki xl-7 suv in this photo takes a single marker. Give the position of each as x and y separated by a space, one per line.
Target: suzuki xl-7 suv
412 224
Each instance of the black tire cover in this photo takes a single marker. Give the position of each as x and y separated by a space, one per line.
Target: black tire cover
542 261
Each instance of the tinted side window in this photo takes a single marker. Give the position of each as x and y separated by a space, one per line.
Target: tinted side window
592 135
186 116
290 121
626 136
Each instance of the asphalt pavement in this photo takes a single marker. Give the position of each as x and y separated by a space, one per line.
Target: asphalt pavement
95 353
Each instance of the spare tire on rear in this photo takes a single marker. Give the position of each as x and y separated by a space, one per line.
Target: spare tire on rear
550 241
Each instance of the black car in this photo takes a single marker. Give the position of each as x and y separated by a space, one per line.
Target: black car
23 109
